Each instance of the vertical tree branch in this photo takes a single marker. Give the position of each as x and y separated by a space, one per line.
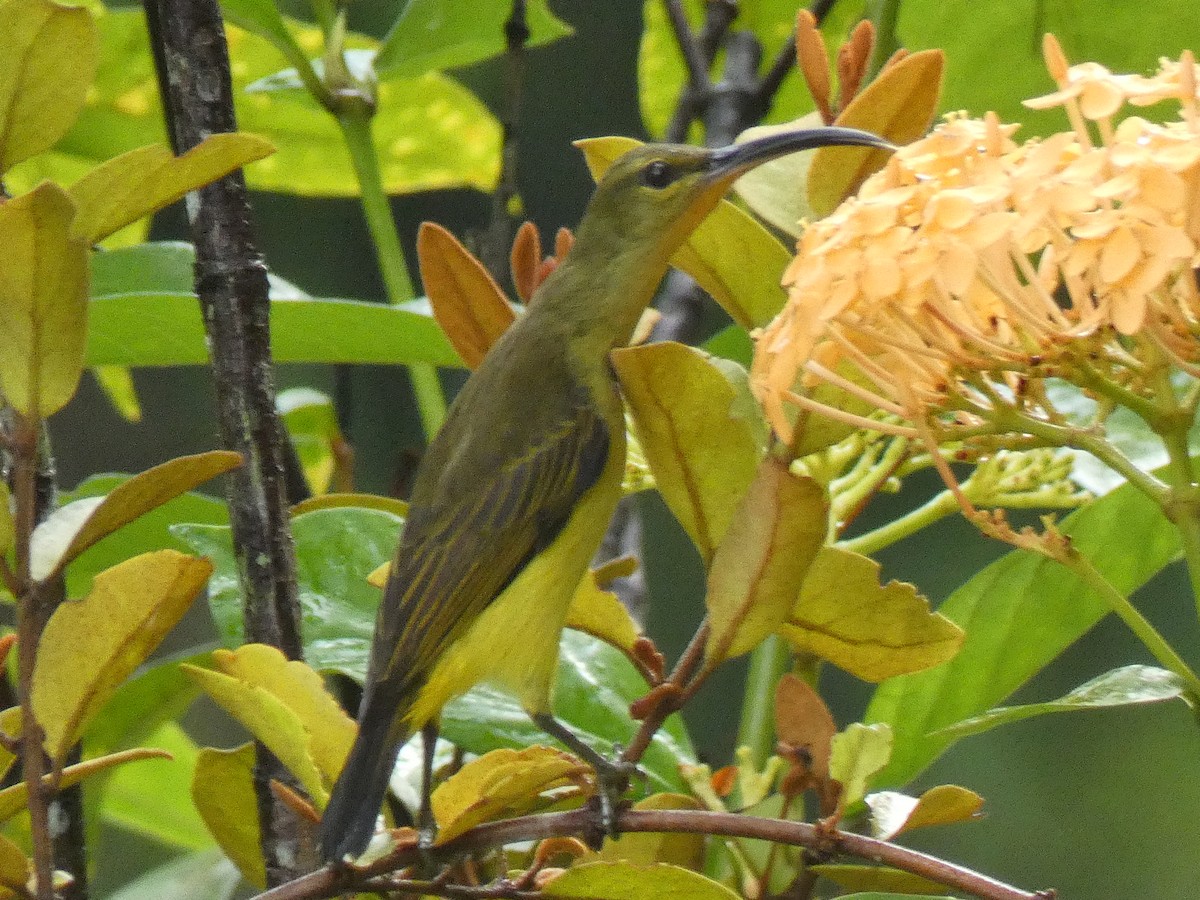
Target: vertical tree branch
188 40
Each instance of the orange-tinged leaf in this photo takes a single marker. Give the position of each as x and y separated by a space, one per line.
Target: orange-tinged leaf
505 783
729 254
629 881
898 105
74 528
893 812
43 300
90 646
14 799
804 722
144 180
599 613
524 260
643 848
223 792
873 631
466 300
760 564
50 55
698 432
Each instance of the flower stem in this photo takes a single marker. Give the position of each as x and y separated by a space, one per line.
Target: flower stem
768 662
940 506
355 123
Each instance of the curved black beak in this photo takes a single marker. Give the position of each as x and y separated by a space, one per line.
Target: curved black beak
738 158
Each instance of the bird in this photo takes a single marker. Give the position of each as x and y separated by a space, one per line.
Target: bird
515 492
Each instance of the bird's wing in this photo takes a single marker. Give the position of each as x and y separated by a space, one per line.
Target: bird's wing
460 550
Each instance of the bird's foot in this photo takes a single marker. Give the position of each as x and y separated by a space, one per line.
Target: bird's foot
613 775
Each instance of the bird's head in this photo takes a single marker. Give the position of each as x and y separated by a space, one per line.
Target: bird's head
656 194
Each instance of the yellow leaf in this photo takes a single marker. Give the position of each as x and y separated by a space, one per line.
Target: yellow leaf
466 300
144 180
857 754
43 300
729 254
506 783
223 792
642 848
760 564
879 880
700 443
898 105
14 799
77 526
873 631
893 813
15 867
90 646
284 704
49 61
10 724
777 190
599 613
627 881
117 384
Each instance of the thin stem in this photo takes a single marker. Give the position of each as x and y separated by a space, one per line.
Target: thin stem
1129 614
768 662
940 506
355 123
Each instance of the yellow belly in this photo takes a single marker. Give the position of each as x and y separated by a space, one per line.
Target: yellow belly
514 642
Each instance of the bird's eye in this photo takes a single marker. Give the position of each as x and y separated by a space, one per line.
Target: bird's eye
657 175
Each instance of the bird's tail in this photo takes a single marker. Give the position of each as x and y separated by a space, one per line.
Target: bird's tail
349 820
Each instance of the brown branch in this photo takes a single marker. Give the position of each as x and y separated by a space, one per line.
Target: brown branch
330 882
188 40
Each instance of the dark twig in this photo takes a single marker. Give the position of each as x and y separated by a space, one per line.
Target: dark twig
188 40
828 843
498 237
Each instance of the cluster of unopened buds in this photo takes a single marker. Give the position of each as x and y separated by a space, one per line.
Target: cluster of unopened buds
973 267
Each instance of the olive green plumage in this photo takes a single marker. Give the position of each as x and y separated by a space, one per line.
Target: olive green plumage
516 490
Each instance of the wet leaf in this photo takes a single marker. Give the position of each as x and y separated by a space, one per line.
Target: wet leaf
43 300
628 881
873 631
90 646
893 813
223 791
729 254
40 95
898 105
700 441
1126 686
145 180
506 783
73 528
761 562
466 300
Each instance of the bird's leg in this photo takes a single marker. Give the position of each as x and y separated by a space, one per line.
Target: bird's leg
426 827
612 775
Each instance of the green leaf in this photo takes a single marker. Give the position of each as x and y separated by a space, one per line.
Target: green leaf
701 441
759 566
207 874
856 754
40 96
148 179
446 34
43 301
311 422
262 17
15 799
593 689
151 799
143 705
1128 37
1019 613
626 881
1126 686
336 549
